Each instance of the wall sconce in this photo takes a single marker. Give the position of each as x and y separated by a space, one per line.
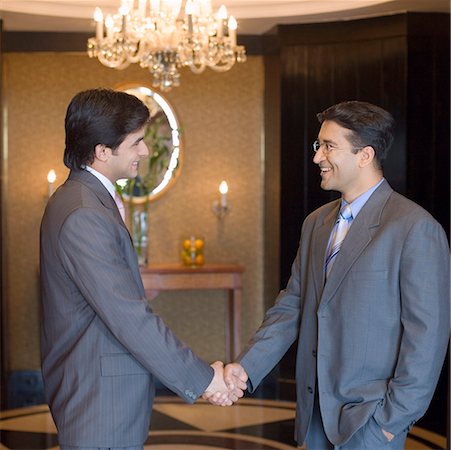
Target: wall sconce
51 177
220 207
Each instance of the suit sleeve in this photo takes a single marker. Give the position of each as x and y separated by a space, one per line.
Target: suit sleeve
278 331
425 296
92 251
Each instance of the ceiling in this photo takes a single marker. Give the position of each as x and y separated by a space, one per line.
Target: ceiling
254 16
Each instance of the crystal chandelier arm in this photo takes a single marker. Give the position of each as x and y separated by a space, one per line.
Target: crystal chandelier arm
219 60
106 58
197 69
136 56
223 67
123 66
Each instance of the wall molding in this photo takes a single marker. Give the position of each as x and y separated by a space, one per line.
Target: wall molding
40 41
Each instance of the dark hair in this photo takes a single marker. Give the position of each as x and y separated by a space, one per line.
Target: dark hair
100 116
370 125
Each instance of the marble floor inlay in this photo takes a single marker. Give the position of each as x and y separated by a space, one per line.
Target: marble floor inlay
252 424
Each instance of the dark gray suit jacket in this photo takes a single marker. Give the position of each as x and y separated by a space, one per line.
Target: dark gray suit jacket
101 343
374 336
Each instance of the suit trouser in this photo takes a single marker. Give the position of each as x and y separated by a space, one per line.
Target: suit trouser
316 436
368 437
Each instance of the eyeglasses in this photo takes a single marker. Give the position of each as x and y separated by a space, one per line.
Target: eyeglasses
327 147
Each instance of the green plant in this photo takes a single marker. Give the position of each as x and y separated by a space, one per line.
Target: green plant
160 149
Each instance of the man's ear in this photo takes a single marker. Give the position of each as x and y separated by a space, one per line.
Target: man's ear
367 155
102 152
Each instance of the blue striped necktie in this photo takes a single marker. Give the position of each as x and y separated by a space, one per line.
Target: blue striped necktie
338 236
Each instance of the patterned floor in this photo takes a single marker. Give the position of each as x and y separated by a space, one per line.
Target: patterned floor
252 424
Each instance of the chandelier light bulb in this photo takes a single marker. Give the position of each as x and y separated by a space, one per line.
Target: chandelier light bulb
222 12
205 8
142 7
155 6
189 7
109 22
98 15
172 7
124 9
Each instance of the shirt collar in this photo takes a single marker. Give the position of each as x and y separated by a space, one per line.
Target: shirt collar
360 201
103 179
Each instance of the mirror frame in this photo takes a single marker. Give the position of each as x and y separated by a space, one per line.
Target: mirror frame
175 164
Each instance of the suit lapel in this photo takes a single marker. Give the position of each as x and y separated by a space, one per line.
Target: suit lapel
357 239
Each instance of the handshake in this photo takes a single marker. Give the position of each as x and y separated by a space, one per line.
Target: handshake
228 384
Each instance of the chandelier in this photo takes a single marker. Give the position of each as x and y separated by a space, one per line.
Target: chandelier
158 36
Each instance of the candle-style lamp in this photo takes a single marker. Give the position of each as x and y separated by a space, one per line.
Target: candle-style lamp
220 207
189 10
51 177
98 19
220 19
232 25
109 24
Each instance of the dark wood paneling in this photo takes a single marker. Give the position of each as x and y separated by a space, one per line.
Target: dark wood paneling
272 183
293 63
393 98
343 31
370 70
346 74
428 116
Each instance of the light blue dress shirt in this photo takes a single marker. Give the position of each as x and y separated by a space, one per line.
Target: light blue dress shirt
360 201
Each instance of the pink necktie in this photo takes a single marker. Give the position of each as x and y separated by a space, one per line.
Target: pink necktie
120 205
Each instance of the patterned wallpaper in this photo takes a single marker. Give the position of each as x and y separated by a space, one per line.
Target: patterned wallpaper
222 120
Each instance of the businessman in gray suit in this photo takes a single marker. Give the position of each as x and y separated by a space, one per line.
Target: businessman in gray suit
367 300
101 343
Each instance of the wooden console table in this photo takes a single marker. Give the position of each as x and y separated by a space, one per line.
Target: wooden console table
171 277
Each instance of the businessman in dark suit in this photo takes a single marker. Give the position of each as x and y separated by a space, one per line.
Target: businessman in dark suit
367 300
101 343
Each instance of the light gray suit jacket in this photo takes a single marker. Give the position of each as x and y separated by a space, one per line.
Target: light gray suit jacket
100 340
374 336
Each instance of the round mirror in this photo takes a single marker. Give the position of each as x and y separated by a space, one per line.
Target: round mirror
157 172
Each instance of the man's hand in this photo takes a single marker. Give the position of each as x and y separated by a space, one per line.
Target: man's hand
235 377
217 392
